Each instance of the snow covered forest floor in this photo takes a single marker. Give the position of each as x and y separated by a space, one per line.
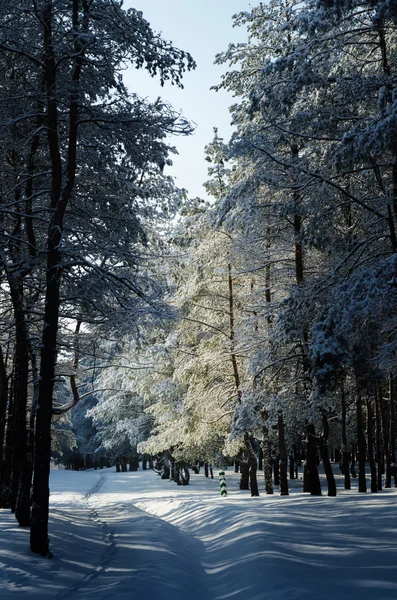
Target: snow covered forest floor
133 535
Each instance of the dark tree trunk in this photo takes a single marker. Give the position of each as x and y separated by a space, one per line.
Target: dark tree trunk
177 474
353 463
276 468
306 483
370 446
185 475
260 458
252 477
268 468
392 432
21 474
5 449
283 457
362 483
196 467
3 404
267 456
252 466
134 463
378 441
312 484
345 451
244 475
59 198
325 458
291 465
385 436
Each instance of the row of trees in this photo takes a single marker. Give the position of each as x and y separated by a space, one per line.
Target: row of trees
82 194
286 285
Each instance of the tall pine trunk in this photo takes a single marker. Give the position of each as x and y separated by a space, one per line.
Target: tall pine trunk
4 476
312 479
325 458
3 404
385 435
267 455
345 447
283 457
20 482
392 432
370 446
362 482
59 199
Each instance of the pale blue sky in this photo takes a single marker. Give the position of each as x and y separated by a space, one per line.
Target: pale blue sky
203 28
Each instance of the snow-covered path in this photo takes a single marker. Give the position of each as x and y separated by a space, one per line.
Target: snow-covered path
132 535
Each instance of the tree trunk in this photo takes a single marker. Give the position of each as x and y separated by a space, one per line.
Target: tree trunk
3 404
370 446
276 468
59 199
6 467
20 483
345 451
244 475
362 483
392 432
378 441
267 456
283 457
5 448
291 465
325 458
353 462
312 483
260 458
252 466
385 436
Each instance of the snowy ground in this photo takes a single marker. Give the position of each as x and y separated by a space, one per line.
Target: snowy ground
132 535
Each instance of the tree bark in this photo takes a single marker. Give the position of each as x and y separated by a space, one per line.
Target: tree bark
3 404
370 446
260 458
291 465
20 481
325 458
362 483
392 432
345 450
312 483
283 457
267 456
385 436
59 199
6 471
244 475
